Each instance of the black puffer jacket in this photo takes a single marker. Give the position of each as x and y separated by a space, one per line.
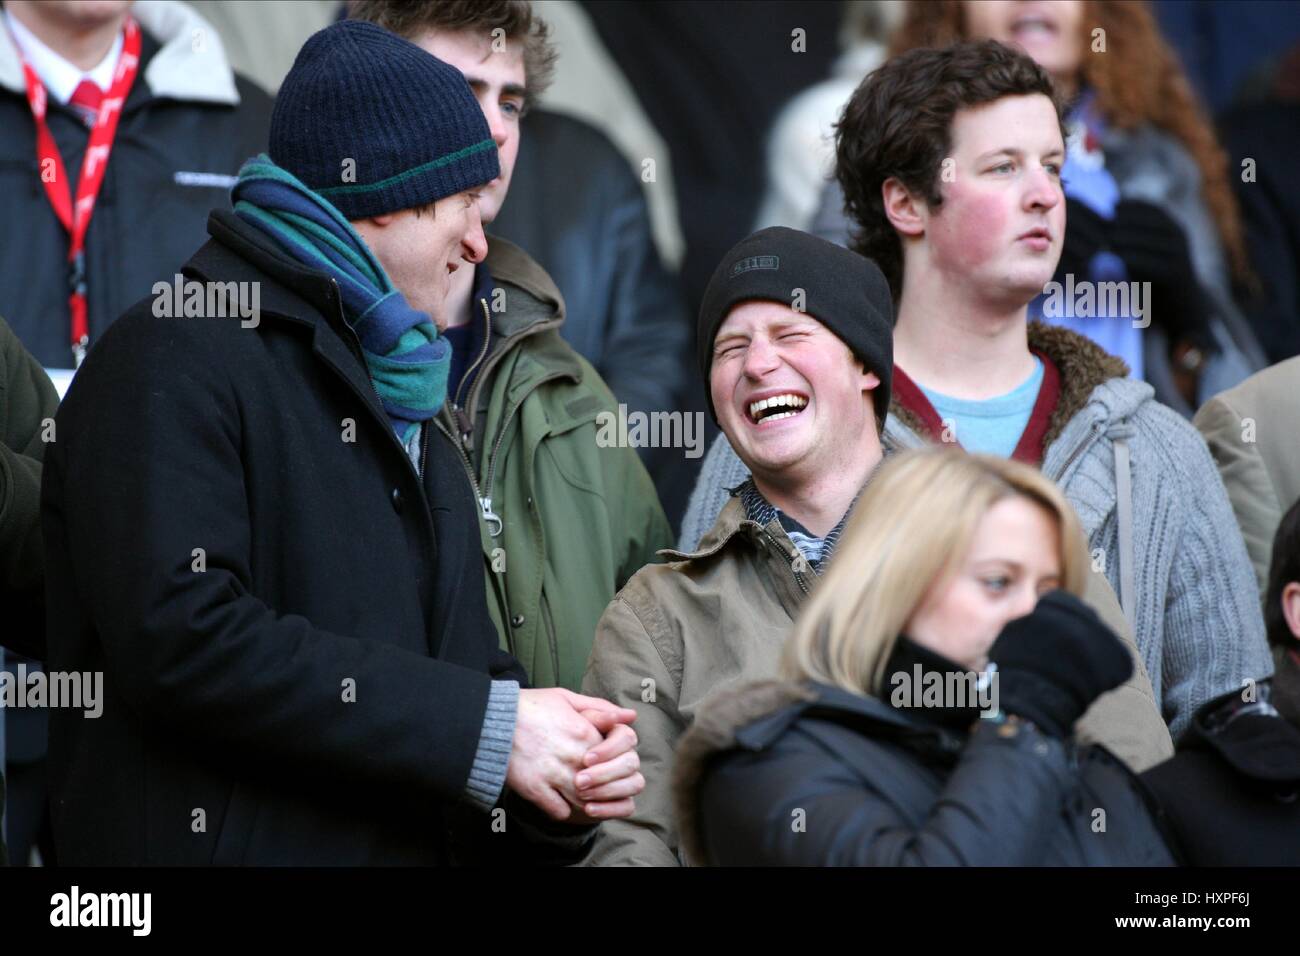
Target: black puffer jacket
810 775
187 125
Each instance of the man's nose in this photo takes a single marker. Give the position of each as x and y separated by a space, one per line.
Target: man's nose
474 242
497 126
1043 191
760 357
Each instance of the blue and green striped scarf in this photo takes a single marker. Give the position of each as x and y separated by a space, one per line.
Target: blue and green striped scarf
408 361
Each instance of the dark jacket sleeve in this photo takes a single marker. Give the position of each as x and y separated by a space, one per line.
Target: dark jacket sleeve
795 805
646 355
148 467
27 402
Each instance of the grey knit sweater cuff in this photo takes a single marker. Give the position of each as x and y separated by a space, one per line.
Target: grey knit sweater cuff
487 775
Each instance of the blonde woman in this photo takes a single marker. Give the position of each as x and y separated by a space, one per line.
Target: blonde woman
934 680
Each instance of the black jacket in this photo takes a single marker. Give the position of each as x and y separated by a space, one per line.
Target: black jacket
624 313
179 137
1231 794
236 538
27 401
811 775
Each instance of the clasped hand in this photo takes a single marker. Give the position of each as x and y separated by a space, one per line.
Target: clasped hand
574 756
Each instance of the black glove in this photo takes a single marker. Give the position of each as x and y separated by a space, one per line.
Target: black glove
1086 234
1155 249
1054 662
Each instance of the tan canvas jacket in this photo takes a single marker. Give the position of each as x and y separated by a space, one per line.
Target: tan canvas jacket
1251 430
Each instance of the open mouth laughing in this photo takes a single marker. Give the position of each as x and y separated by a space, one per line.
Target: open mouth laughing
776 407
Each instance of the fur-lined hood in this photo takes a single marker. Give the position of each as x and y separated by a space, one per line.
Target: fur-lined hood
714 731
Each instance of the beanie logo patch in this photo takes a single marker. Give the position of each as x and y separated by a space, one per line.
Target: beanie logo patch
750 263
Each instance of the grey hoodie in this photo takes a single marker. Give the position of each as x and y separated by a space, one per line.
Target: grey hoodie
1154 511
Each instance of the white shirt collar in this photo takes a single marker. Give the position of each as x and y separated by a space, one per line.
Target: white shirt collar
60 77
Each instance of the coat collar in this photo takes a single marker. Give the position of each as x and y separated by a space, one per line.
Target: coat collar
1081 365
510 264
1249 736
1092 383
287 291
732 521
243 253
533 314
189 64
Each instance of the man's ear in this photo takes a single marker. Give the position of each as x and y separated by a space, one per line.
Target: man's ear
902 209
373 222
1291 606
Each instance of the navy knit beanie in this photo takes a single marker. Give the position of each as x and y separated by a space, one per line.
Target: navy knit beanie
842 290
376 125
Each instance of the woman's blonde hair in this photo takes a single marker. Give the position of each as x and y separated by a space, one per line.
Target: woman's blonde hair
910 529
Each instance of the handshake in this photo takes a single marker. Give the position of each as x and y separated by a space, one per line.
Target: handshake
574 756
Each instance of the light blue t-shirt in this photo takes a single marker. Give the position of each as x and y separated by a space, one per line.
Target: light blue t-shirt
993 425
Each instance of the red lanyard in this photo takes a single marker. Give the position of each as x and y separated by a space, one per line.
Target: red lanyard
56 181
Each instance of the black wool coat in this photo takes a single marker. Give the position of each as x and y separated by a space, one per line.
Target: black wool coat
291 623
1231 794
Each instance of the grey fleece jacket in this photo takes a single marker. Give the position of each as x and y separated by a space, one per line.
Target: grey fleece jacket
1192 597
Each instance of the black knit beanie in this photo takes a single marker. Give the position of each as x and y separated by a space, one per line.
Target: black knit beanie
842 290
376 125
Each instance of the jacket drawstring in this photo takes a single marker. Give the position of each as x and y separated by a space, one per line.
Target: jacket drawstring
1119 434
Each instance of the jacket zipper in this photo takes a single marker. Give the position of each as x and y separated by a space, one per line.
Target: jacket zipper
496 448
797 576
1094 433
469 472
484 504
472 398
487 342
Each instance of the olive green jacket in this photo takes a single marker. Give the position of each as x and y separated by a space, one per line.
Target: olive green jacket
564 521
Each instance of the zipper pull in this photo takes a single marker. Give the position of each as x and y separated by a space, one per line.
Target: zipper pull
491 517
463 423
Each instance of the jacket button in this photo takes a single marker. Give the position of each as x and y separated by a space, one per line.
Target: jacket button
517 621
397 500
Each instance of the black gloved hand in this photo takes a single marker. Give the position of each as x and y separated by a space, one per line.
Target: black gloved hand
1054 662
1086 234
1155 249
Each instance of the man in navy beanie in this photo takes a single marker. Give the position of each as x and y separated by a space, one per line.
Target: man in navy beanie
255 535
